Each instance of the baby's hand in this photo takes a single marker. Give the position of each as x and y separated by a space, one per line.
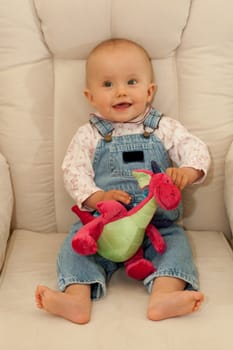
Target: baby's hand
117 195
184 176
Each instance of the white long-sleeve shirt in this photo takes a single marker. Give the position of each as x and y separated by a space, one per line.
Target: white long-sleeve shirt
184 149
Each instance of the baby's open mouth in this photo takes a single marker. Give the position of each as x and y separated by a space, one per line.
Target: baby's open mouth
122 105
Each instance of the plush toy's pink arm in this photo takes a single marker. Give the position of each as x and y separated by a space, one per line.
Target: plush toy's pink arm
84 216
156 239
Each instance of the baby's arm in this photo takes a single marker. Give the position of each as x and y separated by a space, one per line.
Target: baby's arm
184 176
185 150
98 196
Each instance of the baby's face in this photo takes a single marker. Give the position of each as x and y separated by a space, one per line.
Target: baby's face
119 82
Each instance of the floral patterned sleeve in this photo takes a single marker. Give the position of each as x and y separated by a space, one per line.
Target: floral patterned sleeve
184 149
77 166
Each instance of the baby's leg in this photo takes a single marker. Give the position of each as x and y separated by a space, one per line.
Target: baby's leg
73 301
169 299
74 304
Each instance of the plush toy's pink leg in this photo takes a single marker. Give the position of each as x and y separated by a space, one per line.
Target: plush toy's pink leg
156 239
84 241
138 267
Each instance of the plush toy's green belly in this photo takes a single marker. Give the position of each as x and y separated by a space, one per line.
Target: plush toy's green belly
121 239
119 243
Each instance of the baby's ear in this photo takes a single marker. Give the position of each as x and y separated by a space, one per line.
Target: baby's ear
88 95
151 91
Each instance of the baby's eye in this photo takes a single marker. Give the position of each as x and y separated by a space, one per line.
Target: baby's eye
107 83
132 82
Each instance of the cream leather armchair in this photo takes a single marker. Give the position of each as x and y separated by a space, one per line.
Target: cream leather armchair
43 47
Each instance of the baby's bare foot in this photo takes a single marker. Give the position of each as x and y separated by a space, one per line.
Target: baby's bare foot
71 306
173 304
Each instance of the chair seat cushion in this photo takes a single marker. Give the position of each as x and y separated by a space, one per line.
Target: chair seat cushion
31 260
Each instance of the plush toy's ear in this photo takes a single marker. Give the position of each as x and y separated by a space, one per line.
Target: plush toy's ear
143 177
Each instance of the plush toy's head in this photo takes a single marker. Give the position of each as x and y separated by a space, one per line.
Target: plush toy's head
161 187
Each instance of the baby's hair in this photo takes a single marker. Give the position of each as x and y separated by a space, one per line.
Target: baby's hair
117 42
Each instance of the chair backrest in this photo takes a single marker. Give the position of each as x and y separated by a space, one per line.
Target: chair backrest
44 45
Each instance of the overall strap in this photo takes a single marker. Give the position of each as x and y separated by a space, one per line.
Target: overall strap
104 127
151 122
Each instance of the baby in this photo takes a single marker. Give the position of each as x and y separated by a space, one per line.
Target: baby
120 86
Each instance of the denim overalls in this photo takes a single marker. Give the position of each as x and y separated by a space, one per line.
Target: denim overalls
114 159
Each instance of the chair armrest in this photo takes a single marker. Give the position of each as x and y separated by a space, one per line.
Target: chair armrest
228 186
6 207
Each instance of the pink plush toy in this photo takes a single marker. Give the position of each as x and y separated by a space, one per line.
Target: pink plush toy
117 234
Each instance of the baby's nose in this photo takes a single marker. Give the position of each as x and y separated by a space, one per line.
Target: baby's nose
121 90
